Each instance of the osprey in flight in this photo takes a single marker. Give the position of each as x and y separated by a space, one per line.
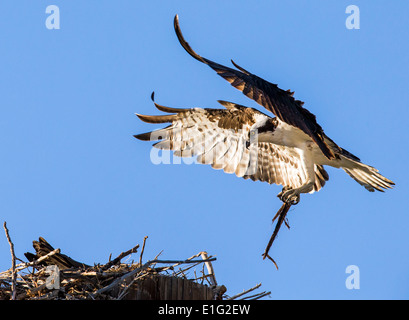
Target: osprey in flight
290 149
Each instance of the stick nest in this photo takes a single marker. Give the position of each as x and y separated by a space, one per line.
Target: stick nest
51 275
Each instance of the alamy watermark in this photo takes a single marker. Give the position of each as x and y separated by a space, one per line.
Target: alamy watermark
53 19
205 148
353 280
53 280
353 20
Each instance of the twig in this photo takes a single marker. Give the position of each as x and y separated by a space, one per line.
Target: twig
42 258
271 259
244 292
210 270
13 263
281 214
25 265
257 296
178 262
32 291
203 277
182 271
119 258
143 249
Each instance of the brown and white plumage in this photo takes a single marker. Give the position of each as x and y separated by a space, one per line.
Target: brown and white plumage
222 138
289 149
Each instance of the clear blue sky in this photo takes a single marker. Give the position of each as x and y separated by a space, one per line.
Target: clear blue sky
72 172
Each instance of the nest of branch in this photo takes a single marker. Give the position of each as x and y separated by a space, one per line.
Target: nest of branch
51 275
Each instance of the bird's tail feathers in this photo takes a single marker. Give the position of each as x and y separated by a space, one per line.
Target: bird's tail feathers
365 175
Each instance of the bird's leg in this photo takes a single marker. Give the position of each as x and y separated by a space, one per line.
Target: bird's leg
292 196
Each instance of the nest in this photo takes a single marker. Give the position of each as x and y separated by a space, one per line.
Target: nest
51 275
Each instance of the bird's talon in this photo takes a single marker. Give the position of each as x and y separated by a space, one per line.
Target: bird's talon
288 196
294 200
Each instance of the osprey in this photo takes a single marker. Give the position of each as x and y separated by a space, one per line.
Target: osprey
290 149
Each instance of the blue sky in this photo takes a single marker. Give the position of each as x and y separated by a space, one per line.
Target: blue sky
72 172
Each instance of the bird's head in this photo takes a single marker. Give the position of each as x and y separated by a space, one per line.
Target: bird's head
263 130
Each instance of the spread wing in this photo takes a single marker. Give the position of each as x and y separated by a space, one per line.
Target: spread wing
269 95
222 139
276 165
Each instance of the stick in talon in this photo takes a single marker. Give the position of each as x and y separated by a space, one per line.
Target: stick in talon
281 214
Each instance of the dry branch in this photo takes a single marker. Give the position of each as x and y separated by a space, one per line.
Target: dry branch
119 258
13 263
281 215
143 249
245 292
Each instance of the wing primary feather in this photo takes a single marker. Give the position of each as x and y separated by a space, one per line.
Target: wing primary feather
157 119
165 109
183 42
143 136
240 68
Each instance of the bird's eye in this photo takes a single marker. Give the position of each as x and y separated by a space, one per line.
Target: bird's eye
252 132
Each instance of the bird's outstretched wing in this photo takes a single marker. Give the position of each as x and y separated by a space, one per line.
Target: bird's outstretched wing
269 95
222 139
